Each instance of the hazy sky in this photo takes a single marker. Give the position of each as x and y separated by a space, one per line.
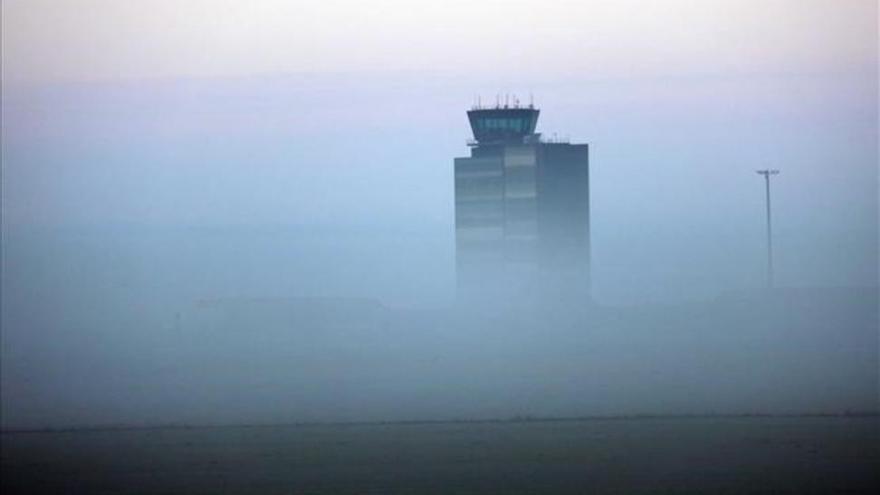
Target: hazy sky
347 116
108 39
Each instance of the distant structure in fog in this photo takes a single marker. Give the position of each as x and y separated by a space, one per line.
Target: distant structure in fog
522 209
767 173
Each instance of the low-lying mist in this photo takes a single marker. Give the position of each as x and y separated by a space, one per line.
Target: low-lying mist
196 328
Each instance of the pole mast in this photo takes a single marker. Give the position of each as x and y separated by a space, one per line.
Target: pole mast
767 173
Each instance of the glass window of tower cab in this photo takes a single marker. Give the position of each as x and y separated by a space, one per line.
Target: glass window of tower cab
522 210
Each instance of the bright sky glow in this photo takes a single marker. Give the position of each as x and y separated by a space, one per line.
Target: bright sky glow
108 39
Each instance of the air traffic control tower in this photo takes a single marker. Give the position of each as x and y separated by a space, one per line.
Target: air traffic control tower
522 211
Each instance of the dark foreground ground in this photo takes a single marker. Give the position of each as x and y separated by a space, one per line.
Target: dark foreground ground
660 455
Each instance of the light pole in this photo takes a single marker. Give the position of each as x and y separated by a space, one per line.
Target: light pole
767 173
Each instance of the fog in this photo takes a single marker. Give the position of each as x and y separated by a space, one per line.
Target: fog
281 248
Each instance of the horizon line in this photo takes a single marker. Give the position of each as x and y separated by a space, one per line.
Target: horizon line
517 419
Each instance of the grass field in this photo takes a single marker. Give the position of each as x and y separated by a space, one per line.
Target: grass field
627 455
